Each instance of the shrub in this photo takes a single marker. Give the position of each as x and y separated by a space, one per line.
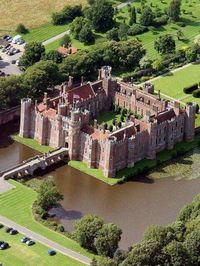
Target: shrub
196 93
137 29
21 29
159 21
61 228
181 24
190 89
110 128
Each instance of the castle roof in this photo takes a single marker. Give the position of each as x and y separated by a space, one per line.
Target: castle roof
83 92
128 131
166 115
95 133
50 113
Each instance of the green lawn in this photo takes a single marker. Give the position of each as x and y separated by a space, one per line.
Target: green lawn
32 143
172 84
20 254
16 205
108 117
44 32
97 173
191 19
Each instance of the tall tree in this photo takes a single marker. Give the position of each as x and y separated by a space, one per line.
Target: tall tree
86 230
174 10
146 18
48 195
108 239
165 44
102 14
132 16
33 53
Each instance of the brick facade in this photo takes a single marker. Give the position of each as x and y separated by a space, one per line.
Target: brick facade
64 121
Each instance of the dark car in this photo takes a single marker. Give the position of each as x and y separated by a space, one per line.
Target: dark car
5 36
25 239
13 62
5 245
51 252
8 229
13 232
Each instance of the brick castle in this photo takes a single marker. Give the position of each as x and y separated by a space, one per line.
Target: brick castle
65 121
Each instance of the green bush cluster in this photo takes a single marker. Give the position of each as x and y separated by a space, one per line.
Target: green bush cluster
191 88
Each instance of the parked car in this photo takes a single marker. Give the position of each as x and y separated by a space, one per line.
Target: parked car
13 62
30 242
17 63
5 36
13 232
4 245
51 252
8 229
25 239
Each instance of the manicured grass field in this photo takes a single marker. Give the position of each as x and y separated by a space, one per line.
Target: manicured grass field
172 84
20 254
16 205
191 19
43 33
33 14
32 144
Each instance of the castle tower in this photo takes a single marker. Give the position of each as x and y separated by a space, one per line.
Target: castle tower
190 110
107 83
74 134
42 129
152 129
59 136
109 165
25 118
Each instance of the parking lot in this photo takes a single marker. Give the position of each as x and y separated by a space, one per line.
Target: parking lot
10 54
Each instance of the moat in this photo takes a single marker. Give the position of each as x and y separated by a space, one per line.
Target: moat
133 206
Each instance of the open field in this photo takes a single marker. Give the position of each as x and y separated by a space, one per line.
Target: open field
191 19
32 13
172 84
16 205
43 33
20 254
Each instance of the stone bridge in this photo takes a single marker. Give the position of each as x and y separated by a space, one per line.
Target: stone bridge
38 162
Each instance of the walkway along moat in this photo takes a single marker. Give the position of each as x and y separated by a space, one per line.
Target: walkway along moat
133 206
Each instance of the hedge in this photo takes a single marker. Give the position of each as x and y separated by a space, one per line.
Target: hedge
190 89
196 93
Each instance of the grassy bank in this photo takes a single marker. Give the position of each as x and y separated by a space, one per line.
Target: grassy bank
32 144
97 173
141 166
16 205
20 254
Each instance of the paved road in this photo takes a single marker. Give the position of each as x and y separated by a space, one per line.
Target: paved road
55 38
5 186
120 6
45 241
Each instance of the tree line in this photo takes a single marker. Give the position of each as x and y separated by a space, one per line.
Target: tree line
42 70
